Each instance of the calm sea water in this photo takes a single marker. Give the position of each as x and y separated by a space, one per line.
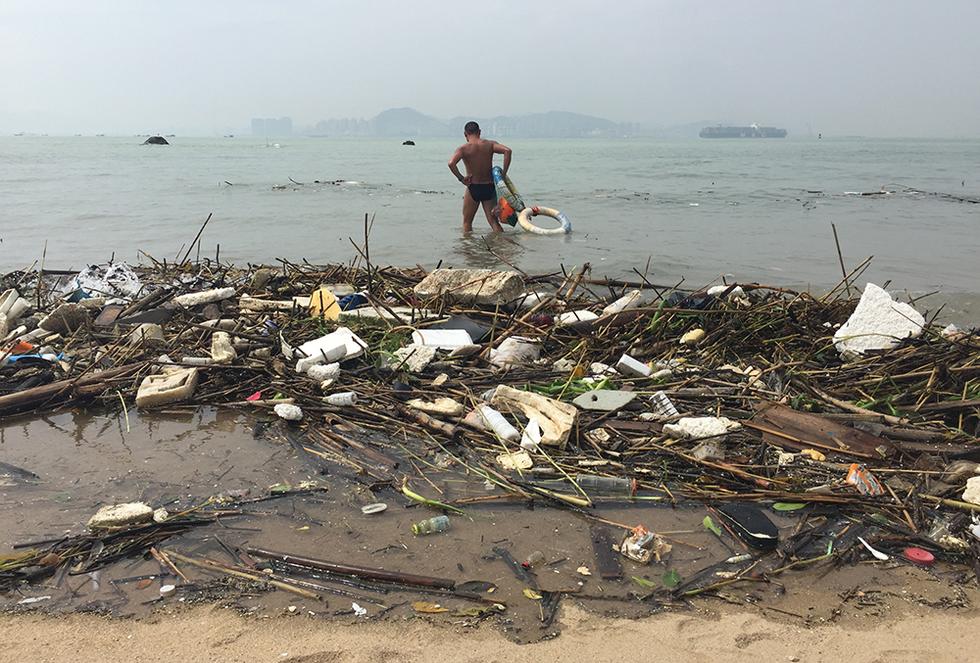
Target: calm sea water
760 210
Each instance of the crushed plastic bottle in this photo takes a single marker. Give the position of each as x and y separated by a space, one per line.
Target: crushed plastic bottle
663 406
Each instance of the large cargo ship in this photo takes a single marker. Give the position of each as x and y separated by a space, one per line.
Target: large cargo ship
752 131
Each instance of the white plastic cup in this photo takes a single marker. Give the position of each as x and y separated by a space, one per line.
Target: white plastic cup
17 309
341 399
7 300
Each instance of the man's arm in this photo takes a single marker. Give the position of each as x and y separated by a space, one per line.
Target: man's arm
453 161
500 148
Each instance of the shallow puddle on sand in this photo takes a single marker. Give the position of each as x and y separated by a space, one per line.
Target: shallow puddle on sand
84 460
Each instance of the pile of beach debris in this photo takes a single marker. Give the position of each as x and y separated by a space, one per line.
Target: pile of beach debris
557 388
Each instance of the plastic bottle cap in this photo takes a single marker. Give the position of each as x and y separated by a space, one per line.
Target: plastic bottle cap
919 556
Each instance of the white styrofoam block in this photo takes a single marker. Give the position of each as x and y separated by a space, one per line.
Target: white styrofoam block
204 297
878 323
288 411
443 339
972 492
121 515
336 346
696 428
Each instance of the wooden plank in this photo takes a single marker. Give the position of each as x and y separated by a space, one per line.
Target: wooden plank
820 432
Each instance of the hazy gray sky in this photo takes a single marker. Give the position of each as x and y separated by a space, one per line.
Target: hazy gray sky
872 67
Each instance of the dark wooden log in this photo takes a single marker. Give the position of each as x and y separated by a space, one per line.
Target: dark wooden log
356 571
64 390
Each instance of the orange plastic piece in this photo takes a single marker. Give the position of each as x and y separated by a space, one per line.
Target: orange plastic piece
863 480
21 348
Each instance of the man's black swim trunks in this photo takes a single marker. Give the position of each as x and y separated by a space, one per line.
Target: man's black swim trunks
482 192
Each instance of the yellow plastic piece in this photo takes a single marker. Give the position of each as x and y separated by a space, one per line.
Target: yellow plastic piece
324 304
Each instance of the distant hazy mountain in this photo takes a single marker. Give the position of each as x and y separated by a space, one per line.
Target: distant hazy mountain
397 122
409 123
553 124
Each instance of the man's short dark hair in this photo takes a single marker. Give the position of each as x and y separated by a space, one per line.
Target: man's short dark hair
471 128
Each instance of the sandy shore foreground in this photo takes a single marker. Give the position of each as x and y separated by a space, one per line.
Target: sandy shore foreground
214 634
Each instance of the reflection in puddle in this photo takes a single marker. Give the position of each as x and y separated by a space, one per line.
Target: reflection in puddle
488 250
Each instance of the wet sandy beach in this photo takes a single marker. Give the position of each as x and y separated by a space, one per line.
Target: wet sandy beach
216 635
185 455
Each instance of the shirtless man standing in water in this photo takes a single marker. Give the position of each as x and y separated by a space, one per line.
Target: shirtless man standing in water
477 154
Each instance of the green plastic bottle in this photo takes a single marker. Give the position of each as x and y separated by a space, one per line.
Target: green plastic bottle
431 526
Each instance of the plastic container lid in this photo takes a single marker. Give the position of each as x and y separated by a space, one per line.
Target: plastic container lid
919 556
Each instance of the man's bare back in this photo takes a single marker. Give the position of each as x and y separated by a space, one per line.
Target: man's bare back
477 155
478 159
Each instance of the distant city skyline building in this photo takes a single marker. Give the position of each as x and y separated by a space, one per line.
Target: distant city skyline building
344 126
269 126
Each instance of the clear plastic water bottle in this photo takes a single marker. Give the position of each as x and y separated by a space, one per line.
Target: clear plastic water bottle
611 486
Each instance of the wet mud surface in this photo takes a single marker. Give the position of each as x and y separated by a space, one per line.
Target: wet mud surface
180 458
